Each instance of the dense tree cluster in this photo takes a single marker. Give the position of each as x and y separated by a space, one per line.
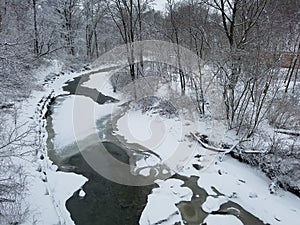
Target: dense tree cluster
245 41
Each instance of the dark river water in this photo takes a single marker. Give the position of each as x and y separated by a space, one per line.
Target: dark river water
110 203
105 202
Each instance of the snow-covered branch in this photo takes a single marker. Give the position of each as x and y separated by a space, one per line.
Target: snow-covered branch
212 148
289 132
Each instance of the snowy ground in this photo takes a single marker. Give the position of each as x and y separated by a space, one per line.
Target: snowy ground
48 190
248 186
161 202
238 182
70 125
251 191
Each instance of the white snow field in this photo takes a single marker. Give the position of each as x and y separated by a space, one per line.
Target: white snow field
47 199
252 194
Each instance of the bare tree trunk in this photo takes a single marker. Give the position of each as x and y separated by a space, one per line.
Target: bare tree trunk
125 12
36 38
141 63
96 43
292 67
177 49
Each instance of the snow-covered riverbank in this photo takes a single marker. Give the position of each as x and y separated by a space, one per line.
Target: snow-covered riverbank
239 183
236 181
47 189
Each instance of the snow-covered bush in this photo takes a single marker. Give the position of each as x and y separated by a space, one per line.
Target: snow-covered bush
280 160
156 105
12 177
284 113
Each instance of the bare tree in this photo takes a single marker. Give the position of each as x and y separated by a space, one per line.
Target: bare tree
174 36
127 16
94 12
122 13
13 143
36 39
68 11
239 20
195 31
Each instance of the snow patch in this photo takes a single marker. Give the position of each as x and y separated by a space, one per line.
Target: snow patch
213 203
101 82
161 206
222 219
252 194
154 132
82 193
75 118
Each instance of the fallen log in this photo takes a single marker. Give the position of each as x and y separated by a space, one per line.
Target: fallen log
212 148
225 151
204 145
6 200
255 151
289 132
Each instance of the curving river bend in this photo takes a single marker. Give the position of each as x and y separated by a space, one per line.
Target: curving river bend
110 203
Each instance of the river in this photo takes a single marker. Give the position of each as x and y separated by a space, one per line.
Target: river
107 202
